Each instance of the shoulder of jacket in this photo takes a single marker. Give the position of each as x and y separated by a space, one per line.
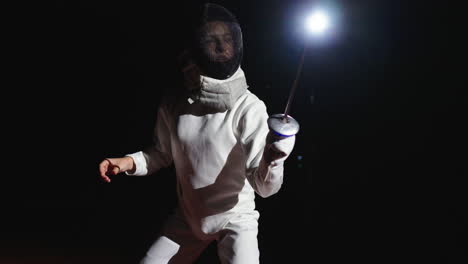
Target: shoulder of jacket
250 104
249 99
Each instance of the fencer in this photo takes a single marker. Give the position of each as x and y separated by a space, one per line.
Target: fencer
217 137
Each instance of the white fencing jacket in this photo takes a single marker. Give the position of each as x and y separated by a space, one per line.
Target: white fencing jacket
217 157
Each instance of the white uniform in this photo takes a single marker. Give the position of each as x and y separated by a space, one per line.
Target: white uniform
219 167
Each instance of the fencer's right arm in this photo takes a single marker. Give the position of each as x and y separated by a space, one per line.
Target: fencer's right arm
158 155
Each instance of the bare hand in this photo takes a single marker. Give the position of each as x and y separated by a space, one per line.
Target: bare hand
113 166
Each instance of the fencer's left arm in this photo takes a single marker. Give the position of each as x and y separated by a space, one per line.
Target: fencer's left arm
265 153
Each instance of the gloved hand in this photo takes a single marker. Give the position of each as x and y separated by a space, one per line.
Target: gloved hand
277 148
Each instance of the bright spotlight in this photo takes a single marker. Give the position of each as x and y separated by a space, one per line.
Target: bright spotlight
317 22
284 125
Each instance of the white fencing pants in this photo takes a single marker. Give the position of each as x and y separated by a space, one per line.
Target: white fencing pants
237 243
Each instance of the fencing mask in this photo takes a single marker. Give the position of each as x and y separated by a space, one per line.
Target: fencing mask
216 42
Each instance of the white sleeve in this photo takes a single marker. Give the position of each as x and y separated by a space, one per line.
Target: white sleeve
266 179
158 155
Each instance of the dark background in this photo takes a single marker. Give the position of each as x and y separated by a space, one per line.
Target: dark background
377 173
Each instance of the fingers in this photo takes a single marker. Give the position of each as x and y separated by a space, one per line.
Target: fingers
272 154
105 178
107 168
115 170
103 167
276 153
285 145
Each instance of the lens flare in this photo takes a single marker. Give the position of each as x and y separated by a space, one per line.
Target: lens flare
318 22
